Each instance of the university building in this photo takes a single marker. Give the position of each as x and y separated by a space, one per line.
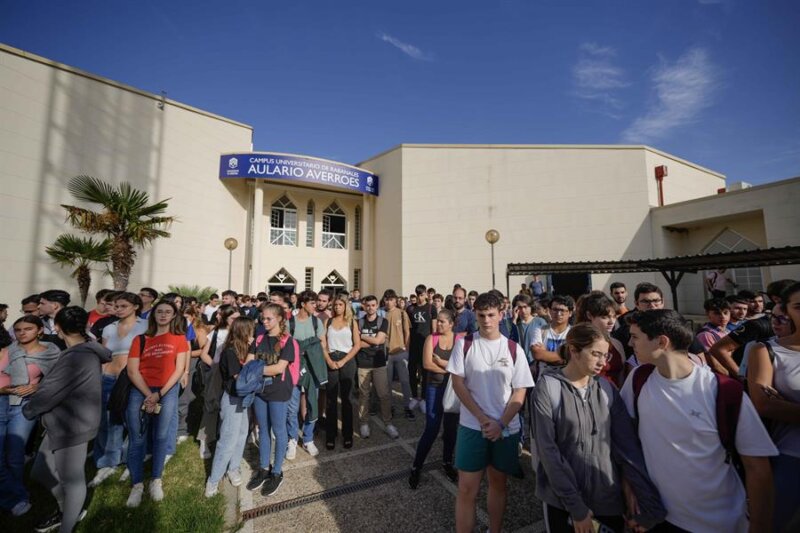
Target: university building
416 213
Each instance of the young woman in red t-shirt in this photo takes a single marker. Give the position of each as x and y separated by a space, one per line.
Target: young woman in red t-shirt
155 365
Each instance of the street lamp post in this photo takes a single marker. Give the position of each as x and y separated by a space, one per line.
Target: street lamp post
230 244
492 236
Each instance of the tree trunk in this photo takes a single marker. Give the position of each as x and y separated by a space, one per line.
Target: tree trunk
84 278
122 259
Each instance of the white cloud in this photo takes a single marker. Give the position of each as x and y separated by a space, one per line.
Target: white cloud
683 90
597 78
408 49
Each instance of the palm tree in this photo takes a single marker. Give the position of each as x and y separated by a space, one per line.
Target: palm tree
203 294
126 219
80 252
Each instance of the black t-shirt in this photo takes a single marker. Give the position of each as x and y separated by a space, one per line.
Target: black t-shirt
374 356
276 388
758 329
97 327
229 366
422 317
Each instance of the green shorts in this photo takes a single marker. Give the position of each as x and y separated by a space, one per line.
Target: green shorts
474 452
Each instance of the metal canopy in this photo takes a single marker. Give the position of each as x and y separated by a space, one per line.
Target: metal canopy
672 268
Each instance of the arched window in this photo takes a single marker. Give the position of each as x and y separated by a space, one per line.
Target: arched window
334 281
730 241
282 281
310 224
283 223
334 223
357 229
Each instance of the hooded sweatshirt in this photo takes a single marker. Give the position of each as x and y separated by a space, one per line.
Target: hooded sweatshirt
19 359
69 397
585 448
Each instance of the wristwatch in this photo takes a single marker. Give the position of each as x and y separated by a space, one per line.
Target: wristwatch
504 433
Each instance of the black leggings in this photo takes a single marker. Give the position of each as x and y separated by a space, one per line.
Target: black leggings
341 384
558 521
61 472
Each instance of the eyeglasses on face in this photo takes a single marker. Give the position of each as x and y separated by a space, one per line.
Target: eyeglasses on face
653 301
559 310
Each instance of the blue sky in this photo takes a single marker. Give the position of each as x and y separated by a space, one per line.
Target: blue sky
714 82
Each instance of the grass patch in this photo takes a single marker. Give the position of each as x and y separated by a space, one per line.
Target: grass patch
184 508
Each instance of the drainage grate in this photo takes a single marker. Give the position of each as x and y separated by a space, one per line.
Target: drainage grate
341 490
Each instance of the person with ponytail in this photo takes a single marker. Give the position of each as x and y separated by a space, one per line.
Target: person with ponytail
155 365
68 400
21 367
281 357
235 422
591 470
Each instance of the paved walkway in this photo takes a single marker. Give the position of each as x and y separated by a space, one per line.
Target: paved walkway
366 489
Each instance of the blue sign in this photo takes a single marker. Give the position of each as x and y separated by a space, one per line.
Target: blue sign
298 168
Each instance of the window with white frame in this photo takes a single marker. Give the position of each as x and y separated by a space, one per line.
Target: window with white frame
283 223
334 223
730 241
357 229
310 224
309 278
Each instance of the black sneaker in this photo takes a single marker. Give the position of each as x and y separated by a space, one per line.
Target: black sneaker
50 523
413 479
260 476
410 414
450 472
272 485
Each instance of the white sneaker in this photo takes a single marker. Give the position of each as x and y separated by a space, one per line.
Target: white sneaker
183 438
135 497
235 477
311 448
205 453
156 490
126 474
167 458
211 489
21 508
291 450
413 403
364 431
101 475
421 406
392 431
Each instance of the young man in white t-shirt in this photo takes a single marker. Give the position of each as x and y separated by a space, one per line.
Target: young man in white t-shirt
491 384
681 443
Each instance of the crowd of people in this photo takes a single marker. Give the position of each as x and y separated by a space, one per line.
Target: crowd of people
634 419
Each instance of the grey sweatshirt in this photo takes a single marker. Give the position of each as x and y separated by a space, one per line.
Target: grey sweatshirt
18 361
584 451
69 397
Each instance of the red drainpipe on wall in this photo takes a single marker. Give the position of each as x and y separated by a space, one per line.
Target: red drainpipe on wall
661 171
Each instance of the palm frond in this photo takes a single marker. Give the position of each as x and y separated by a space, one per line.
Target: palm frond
70 250
92 190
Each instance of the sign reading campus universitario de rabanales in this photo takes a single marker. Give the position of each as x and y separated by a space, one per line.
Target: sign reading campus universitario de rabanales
298 168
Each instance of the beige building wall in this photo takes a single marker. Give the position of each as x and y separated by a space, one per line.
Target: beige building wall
767 215
295 259
57 122
549 203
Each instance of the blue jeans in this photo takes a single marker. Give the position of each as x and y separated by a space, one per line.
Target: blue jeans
107 449
14 432
137 435
292 424
786 474
271 416
434 416
232 437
